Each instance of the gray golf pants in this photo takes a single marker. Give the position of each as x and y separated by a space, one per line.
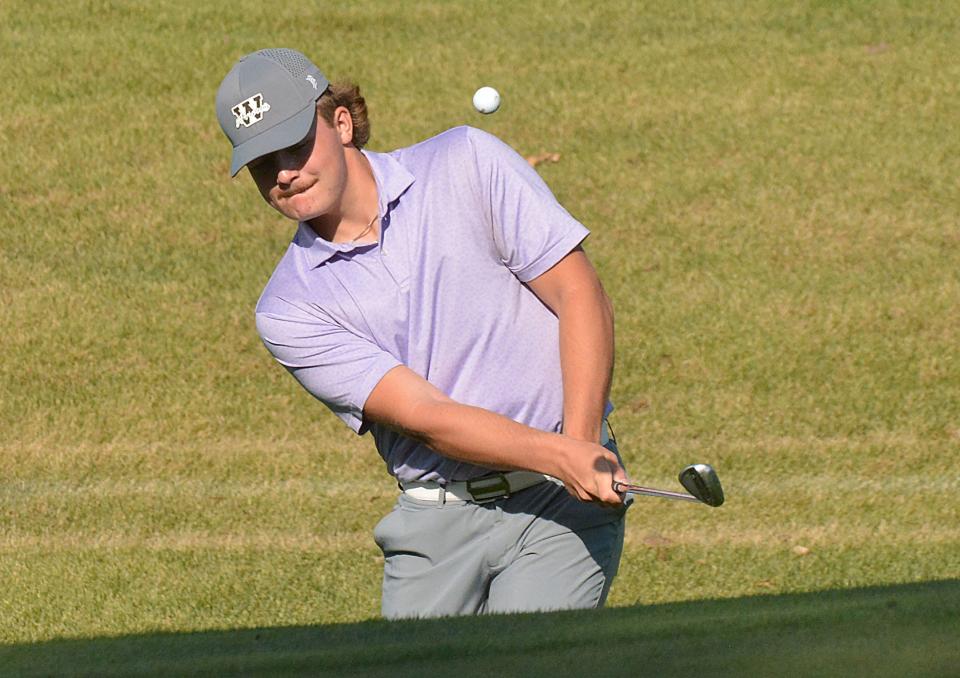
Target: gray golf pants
540 549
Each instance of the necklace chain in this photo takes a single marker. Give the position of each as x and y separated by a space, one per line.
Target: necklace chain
367 229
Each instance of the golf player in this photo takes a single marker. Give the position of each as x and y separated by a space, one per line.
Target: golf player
438 297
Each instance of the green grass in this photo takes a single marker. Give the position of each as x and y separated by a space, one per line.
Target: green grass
772 192
882 631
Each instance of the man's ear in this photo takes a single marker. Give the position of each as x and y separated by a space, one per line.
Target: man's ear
343 123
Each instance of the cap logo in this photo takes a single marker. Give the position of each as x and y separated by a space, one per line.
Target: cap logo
250 111
312 81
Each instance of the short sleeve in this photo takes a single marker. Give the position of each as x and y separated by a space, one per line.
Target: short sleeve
531 230
334 365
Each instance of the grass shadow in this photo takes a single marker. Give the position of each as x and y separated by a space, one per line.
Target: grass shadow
909 629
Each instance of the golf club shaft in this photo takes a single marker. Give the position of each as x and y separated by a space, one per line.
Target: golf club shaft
652 492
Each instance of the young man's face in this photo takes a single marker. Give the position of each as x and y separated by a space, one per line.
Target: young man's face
306 180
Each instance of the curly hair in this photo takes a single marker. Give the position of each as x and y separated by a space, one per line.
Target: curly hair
348 95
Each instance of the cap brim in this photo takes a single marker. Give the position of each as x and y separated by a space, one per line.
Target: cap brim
289 132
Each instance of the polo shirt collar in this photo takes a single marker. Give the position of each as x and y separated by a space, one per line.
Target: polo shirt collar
393 179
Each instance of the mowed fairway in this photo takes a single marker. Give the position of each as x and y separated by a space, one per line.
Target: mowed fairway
772 190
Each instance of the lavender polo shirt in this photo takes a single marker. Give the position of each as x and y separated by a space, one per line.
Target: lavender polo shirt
465 222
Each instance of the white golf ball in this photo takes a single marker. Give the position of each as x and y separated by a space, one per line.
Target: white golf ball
486 100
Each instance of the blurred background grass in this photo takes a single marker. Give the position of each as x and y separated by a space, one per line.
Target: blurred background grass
772 192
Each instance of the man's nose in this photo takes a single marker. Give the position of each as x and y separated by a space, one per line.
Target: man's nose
288 167
286 176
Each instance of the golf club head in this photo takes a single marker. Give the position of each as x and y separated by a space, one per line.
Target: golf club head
702 482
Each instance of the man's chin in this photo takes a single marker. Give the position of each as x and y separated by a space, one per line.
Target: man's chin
298 213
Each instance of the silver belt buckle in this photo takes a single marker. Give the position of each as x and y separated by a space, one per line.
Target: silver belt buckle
488 488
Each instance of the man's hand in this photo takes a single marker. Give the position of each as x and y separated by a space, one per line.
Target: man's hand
588 472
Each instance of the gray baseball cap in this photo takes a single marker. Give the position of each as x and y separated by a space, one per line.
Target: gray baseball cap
268 102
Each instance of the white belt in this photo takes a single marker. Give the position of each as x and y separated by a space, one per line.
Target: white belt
478 490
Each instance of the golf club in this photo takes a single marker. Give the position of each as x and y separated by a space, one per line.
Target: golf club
699 479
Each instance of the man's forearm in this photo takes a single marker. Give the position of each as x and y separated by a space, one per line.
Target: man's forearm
406 402
586 359
481 437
